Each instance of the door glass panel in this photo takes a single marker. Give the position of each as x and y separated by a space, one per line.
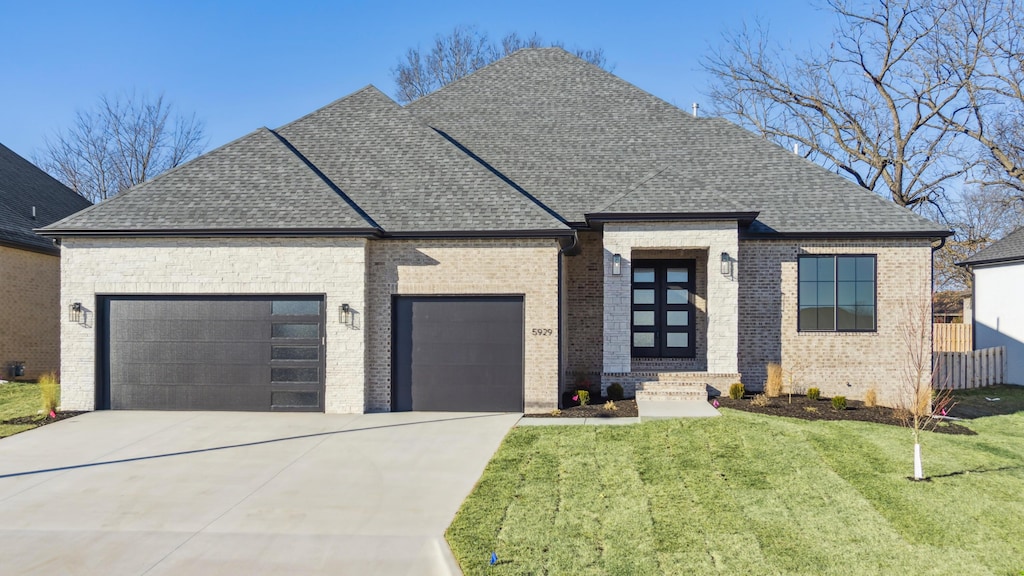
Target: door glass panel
294 374
295 331
678 275
643 274
294 353
677 318
643 296
678 339
295 307
643 339
677 296
643 318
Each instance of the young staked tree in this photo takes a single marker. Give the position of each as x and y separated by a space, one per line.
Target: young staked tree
123 141
921 400
461 52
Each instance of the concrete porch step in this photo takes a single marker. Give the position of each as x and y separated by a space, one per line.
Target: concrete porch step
671 390
663 409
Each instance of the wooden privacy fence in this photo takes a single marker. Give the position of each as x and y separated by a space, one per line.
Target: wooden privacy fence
977 369
951 337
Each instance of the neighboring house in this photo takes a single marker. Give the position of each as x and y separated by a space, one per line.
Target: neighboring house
30 265
537 222
998 309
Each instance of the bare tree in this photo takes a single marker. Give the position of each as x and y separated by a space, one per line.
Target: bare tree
982 46
123 141
461 52
921 403
867 106
978 217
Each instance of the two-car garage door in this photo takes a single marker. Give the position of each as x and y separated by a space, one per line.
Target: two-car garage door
212 353
458 353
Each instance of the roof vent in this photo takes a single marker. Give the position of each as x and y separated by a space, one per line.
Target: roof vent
33 212
796 149
695 106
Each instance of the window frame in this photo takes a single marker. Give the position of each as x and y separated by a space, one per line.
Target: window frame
835 292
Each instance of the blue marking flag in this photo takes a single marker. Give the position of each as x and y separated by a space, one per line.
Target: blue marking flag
494 558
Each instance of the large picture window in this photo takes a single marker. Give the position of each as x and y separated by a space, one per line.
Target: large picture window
837 293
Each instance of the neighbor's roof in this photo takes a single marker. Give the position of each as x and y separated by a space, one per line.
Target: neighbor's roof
22 186
529 144
1010 248
584 141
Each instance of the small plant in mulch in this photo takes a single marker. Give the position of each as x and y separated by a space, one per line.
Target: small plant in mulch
839 403
610 405
773 386
871 398
813 393
737 391
615 391
49 391
761 400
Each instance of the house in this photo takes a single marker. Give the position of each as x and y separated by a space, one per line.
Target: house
538 222
30 266
998 314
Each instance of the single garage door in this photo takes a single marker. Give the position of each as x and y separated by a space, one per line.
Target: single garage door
211 353
458 353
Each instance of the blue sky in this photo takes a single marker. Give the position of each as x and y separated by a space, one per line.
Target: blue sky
242 65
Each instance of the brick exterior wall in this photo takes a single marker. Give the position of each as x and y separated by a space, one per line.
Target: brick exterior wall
638 239
449 267
843 363
30 311
333 267
584 310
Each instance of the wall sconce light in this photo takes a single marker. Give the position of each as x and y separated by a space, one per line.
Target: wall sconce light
346 314
75 313
726 264
616 264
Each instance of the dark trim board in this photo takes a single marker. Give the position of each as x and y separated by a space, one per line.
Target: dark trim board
211 352
460 353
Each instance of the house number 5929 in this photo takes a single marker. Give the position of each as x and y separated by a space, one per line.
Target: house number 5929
542 331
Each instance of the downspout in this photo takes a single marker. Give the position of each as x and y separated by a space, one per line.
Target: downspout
565 249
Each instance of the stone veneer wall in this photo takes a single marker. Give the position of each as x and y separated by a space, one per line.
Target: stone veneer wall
448 267
29 311
843 363
714 237
333 267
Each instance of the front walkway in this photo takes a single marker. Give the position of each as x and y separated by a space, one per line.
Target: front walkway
240 493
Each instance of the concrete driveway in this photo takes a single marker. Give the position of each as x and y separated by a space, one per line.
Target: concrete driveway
239 493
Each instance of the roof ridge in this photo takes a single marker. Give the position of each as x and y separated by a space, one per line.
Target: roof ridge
517 54
330 183
368 87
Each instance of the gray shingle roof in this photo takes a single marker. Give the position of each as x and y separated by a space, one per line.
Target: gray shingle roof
22 186
578 138
253 183
1011 247
406 175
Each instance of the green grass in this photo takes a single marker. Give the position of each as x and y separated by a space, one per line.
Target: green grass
18 399
748 494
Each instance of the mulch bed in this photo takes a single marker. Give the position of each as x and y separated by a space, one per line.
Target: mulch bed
623 409
804 408
41 420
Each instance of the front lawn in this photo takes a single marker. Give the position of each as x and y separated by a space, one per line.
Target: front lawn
18 400
749 494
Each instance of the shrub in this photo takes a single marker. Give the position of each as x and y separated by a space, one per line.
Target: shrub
49 390
871 398
810 409
736 391
584 396
839 402
615 391
556 412
773 387
761 400
813 393
610 406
